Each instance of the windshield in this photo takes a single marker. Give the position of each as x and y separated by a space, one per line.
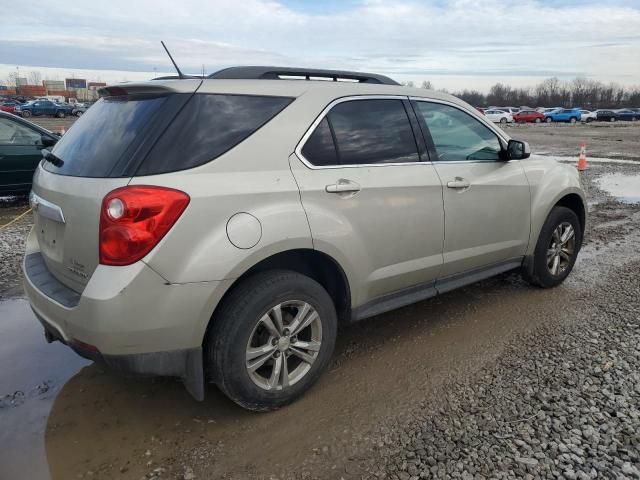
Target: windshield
108 130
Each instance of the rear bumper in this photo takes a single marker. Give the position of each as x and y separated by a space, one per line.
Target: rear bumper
129 318
186 364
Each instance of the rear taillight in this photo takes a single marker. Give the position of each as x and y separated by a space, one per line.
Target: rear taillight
134 219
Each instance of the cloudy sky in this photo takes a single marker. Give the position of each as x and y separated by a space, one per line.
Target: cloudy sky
454 43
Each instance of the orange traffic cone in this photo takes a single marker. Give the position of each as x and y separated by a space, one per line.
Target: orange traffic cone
582 161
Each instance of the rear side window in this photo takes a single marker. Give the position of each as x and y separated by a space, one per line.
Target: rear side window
98 140
373 131
208 126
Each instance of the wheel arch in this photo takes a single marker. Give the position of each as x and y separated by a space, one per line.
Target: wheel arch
315 264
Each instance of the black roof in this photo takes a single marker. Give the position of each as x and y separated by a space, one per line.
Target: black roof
276 73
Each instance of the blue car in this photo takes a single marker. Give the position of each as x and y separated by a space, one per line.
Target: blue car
628 114
571 115
43 107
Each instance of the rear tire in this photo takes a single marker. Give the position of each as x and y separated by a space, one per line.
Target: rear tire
255 317
572 120
538 120
60 114
503 120
612 119
544 272
549 120
26 114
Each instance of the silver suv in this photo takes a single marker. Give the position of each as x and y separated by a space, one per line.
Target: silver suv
221 229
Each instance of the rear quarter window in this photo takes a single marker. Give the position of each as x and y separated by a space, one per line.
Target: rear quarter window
207 127
97 142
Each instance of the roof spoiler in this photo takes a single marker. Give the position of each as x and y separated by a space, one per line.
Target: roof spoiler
280 73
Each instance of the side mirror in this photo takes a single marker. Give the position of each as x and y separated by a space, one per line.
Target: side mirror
48 141
518 150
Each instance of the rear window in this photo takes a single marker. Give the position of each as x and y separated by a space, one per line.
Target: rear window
208 126
96 143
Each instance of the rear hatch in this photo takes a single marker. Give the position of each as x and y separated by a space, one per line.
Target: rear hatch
101 152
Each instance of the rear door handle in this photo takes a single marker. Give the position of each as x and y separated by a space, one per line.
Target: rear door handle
459 182
343 186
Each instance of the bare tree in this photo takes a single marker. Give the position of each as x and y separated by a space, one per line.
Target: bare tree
34 77
426 84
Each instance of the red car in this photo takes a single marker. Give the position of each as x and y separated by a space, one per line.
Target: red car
525 116
9 106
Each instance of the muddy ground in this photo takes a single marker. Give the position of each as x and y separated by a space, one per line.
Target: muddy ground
392 377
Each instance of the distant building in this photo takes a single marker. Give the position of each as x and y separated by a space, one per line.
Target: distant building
21 81
96 85
54 85
75 83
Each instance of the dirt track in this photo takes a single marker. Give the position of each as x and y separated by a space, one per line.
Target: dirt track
76 420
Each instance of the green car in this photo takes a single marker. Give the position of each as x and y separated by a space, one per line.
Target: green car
21 144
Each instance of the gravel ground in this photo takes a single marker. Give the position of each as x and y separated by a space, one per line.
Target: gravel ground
562 403
12 240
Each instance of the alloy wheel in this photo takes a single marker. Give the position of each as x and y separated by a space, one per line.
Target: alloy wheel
283 345
562 247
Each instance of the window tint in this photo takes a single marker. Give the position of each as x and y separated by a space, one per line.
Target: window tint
95 143
14 133
373 131
457 135
207 127
319 148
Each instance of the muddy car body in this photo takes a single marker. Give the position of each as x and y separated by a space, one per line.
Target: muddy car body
229 224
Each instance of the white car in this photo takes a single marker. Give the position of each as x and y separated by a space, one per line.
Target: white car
588 116
499 116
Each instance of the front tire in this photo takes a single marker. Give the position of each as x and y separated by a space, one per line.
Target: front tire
60 114
537 120
26 113
271 339
503 121
557 248
572 120
549 120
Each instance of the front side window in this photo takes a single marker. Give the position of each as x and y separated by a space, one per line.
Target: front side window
457 136
363 132
13 133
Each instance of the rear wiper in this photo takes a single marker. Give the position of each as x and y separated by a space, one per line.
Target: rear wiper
51 158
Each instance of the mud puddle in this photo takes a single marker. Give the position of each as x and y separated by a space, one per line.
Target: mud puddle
33 372
625 188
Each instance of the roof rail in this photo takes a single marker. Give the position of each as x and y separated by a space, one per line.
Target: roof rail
177 77
280 73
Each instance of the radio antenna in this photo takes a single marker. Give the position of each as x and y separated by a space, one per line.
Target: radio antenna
180 74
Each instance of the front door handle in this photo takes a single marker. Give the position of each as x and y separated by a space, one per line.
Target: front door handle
459 182
343 186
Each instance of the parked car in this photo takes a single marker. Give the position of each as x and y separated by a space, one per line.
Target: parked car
43 107
627 114
588 116
79 109
391 195
498 116
606 115
9 106
510 110
21 144
525 116
571 115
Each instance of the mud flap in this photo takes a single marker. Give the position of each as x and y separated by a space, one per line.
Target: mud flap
185 364
194 378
